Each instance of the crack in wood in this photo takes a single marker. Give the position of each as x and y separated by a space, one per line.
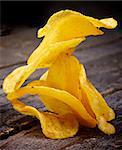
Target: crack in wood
111 90
14 64
20 125
84 134
23 123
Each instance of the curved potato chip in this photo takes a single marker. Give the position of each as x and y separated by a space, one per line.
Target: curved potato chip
81 113
109 23
106 110
109 114
99 110
52 51
14 81
52 21
10 82
55 105
97 103
66 25
68 78
105 127
101 106
58 126
53 126
58 16
52 104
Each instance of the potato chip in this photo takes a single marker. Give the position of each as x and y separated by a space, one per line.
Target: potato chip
11 81
97 103
53 126
109 23
58 126
68 77
68 74
55 18
52 104
105 127
55 105
53 51
98 99
66 25
14 81
79 110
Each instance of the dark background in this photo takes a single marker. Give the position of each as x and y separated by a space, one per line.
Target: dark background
36 13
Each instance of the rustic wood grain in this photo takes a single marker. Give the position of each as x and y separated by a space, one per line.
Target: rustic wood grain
85 138
102 58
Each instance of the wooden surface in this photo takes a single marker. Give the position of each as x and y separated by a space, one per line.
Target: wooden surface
102 57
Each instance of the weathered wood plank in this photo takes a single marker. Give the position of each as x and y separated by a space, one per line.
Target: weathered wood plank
104 73
85 139
17 46
102 58
96 52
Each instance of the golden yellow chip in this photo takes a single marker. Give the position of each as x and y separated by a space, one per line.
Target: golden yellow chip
52 104
78 108
52 51
67 25
68 78
97 104
53 126
105 127
58 126
15 79
11 81
109 23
